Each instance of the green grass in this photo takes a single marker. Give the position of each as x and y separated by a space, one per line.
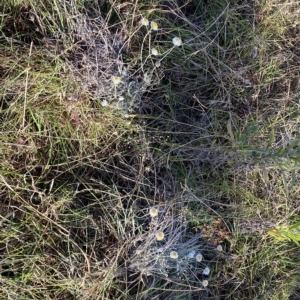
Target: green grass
207 133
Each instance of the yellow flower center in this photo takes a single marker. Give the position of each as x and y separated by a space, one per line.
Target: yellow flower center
220 248
199 257
160 236
154 25
116 79
153 212
205 283
174 254
145 22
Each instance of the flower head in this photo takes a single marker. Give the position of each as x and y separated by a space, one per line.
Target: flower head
154 25
160 236
199 257
154 51
116 80
177 41
192 254
206 271
220 248
153 212
205 283
104 103
145 21
174 254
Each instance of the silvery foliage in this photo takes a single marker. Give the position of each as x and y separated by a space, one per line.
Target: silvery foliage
152 258
97 55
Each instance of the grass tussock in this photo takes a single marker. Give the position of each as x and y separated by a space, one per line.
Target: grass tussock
149 150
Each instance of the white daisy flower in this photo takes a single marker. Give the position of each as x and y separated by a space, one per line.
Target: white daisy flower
205 283
199 257
206 271
154 51
177 41
160 236
145 21
154 26
116 80
153 212
220 248
174 254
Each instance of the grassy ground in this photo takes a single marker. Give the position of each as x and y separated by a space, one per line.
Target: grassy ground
204 136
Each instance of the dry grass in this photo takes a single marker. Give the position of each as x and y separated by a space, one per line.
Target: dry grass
206 132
